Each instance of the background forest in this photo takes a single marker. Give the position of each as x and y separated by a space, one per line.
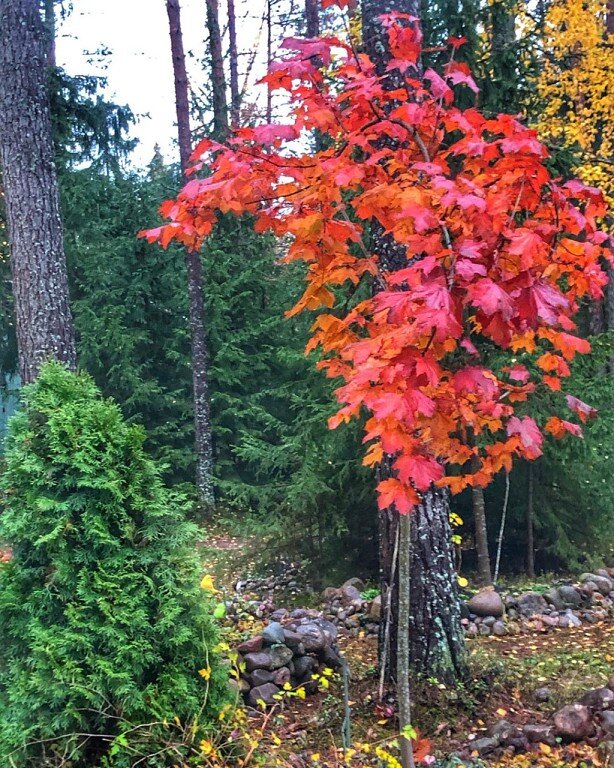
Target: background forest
278 470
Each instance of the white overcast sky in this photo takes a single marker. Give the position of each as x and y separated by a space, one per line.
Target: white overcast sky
139 67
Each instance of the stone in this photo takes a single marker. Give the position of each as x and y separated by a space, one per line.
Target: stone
312 636
573 722
265 693
539 734
590 587
604 585
375 609
260 677
543 694
484 630
569 619
260 660
354 582
304 666
606 721
610 684
485 745
273 633
551 621
598 699
499 629
253 645
280 655
282 676
330 658
487 603
489 621
329 594
349 593
553 597
504 732
570 596
531 604
279 614
295 641
472 630
329 629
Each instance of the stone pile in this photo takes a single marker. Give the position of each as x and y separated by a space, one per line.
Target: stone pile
591 718
489 613
289 652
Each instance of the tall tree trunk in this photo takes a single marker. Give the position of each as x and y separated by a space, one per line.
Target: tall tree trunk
200 359
530 521
312 18
436 645
50 29
218 78
269 57
44 323
481 535
233 55
404 694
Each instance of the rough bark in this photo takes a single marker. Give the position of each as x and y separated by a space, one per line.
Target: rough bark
481 535
233 65
50 29
200 359
436 645
530 524
218 77
312 18
269 57
43 318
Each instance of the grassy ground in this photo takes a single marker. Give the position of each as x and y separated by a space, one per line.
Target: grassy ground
505 672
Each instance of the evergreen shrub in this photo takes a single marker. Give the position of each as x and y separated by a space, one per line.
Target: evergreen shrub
104 627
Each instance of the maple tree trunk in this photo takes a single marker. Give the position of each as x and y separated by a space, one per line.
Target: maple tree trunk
436 646
218 78
44 324
530 524
200 383
233 65
481 535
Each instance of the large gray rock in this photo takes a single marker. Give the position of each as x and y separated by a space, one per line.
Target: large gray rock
598 699
259 660
606 720
253 645
280 655
487 603
531 604
261 676
349 594
273 633
375 609
263 693
553 597
282 676
570 596
569 619
304 666
312 636
485 745
539 734
329 629
573 722
295 641
354 582
603 583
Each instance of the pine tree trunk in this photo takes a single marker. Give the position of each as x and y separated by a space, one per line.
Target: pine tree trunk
436 645
530 526
218 78
312 18
200 358
481 535
50 28
44 323
233 55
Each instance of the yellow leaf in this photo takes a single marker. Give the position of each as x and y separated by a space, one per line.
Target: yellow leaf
501 712
206 673
545 748
207 583
462 582
315 757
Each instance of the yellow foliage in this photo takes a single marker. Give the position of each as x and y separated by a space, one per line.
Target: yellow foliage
575 88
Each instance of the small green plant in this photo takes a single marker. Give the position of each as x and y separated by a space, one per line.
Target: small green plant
370 593
105 628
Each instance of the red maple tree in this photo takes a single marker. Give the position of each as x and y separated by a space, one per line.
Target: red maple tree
498 254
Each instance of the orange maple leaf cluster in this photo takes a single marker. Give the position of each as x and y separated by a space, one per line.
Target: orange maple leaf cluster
498 254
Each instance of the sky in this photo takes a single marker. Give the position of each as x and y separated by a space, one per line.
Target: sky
139 67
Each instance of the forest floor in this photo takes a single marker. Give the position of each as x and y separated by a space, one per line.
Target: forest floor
505 673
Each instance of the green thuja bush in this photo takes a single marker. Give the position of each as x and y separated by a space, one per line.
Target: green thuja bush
104 627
